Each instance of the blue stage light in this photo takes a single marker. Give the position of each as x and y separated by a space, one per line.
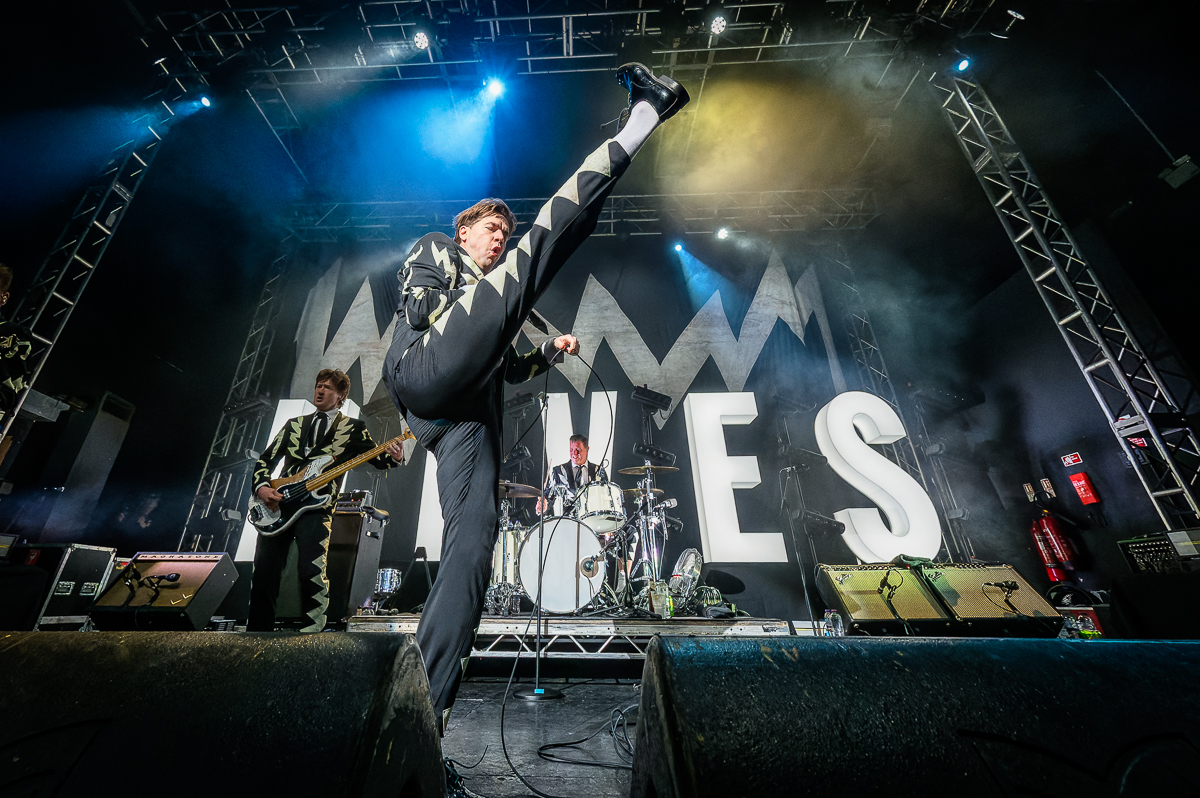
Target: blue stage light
679 247
205 102
495 87
963 64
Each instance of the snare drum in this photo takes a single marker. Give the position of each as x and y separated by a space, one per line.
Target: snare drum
573 569
601 506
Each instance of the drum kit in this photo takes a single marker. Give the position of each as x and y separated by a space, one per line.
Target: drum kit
582 548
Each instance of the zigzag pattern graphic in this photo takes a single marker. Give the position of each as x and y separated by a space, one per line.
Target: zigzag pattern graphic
709 334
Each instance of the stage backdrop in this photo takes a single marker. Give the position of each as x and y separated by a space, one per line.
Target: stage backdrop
739 335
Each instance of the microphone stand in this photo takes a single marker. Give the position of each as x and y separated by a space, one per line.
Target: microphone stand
537 692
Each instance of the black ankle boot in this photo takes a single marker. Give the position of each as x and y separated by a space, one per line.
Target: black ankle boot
665 95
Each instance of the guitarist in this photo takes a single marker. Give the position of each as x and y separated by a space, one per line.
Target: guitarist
324 432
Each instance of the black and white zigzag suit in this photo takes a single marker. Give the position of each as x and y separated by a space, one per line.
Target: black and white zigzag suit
345 439
450 352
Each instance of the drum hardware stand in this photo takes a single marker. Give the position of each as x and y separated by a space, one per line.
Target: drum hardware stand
536 692
499 597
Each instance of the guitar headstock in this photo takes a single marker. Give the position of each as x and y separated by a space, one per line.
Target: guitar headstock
407 435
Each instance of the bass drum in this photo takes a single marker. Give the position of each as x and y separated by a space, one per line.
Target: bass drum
573 569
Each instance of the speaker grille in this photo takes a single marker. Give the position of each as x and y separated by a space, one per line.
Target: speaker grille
965 590
858 589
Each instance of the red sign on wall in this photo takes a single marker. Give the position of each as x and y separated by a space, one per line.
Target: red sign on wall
1083 486
1072 459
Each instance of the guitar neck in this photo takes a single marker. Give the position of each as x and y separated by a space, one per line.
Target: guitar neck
324 479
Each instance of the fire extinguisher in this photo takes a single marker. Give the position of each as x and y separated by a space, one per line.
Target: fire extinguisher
1053 547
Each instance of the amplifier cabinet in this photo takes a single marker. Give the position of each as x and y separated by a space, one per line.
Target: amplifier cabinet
954 599
861 594
991 600
78 575
166 590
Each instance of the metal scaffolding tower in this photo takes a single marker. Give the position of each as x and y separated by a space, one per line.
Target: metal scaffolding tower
216 511
906 453
1139 397
60 281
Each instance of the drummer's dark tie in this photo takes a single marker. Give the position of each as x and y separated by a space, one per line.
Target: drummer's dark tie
578 476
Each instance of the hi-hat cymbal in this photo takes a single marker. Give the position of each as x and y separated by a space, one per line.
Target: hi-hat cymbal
644 469
634 491
515 490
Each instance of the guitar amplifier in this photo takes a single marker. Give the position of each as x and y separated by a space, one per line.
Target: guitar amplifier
991 600
869 597
166 590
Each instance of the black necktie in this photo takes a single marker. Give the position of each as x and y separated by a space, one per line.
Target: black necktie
318 431
578 475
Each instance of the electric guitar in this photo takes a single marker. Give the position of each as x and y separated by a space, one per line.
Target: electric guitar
300 489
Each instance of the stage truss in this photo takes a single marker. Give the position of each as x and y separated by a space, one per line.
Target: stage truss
623 215
1144 397
568 638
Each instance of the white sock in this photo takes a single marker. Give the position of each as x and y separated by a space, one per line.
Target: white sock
642 121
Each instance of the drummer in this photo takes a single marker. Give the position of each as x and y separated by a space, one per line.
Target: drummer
571 477
568 478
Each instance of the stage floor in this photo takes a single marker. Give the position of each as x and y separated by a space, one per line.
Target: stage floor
585 707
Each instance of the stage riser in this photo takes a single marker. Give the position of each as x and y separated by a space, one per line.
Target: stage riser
972 718
206 714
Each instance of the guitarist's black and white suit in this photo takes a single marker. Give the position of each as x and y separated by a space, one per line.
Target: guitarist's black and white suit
343 438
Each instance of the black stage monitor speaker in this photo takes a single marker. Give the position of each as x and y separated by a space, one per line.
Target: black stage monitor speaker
873 598
166 590
202 714
929 717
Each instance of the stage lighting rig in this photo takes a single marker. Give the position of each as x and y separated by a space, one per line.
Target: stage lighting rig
1014 18
519 404
679 247
654 454
495 87
421 40
651 400
718 21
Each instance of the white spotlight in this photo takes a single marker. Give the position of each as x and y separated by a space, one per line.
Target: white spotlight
723 233
718 25
421 40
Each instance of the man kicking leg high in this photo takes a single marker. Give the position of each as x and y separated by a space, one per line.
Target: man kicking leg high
462 303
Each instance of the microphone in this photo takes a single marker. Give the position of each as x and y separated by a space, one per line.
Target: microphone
164 577
1008 585
667 504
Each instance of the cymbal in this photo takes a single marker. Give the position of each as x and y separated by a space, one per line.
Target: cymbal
643 469
635 491
515 490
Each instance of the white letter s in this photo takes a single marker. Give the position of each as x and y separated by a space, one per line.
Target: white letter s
915 529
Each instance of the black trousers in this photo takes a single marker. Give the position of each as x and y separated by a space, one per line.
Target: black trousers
311 532
451 376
